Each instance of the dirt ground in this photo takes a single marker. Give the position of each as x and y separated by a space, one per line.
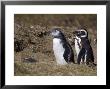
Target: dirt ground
33 54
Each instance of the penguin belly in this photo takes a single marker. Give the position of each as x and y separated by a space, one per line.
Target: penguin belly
59 51
77 47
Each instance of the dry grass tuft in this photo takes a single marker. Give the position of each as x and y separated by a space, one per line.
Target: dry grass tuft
36 44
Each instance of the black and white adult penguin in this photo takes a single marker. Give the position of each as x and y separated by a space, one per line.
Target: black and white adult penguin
62 50
86 52
78 46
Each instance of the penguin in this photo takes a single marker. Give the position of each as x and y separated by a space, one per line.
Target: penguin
77 44
62 50
78 47
86 53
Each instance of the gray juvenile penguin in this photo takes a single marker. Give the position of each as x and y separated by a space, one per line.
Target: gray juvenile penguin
62 50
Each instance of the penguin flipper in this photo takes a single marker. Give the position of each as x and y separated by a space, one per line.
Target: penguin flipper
68 55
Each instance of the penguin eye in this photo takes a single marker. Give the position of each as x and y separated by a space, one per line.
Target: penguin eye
82 33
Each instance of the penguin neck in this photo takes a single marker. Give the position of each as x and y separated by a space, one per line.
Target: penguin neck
78 43
61 38
83 38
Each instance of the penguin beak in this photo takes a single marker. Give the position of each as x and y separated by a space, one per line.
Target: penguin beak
75 32
50 33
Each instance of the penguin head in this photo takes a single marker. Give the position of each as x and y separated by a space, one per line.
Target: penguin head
82 33
56 33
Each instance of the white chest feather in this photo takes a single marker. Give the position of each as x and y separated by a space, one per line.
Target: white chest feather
58 51
77 48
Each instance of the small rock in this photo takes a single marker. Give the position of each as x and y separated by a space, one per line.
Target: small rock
29 60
